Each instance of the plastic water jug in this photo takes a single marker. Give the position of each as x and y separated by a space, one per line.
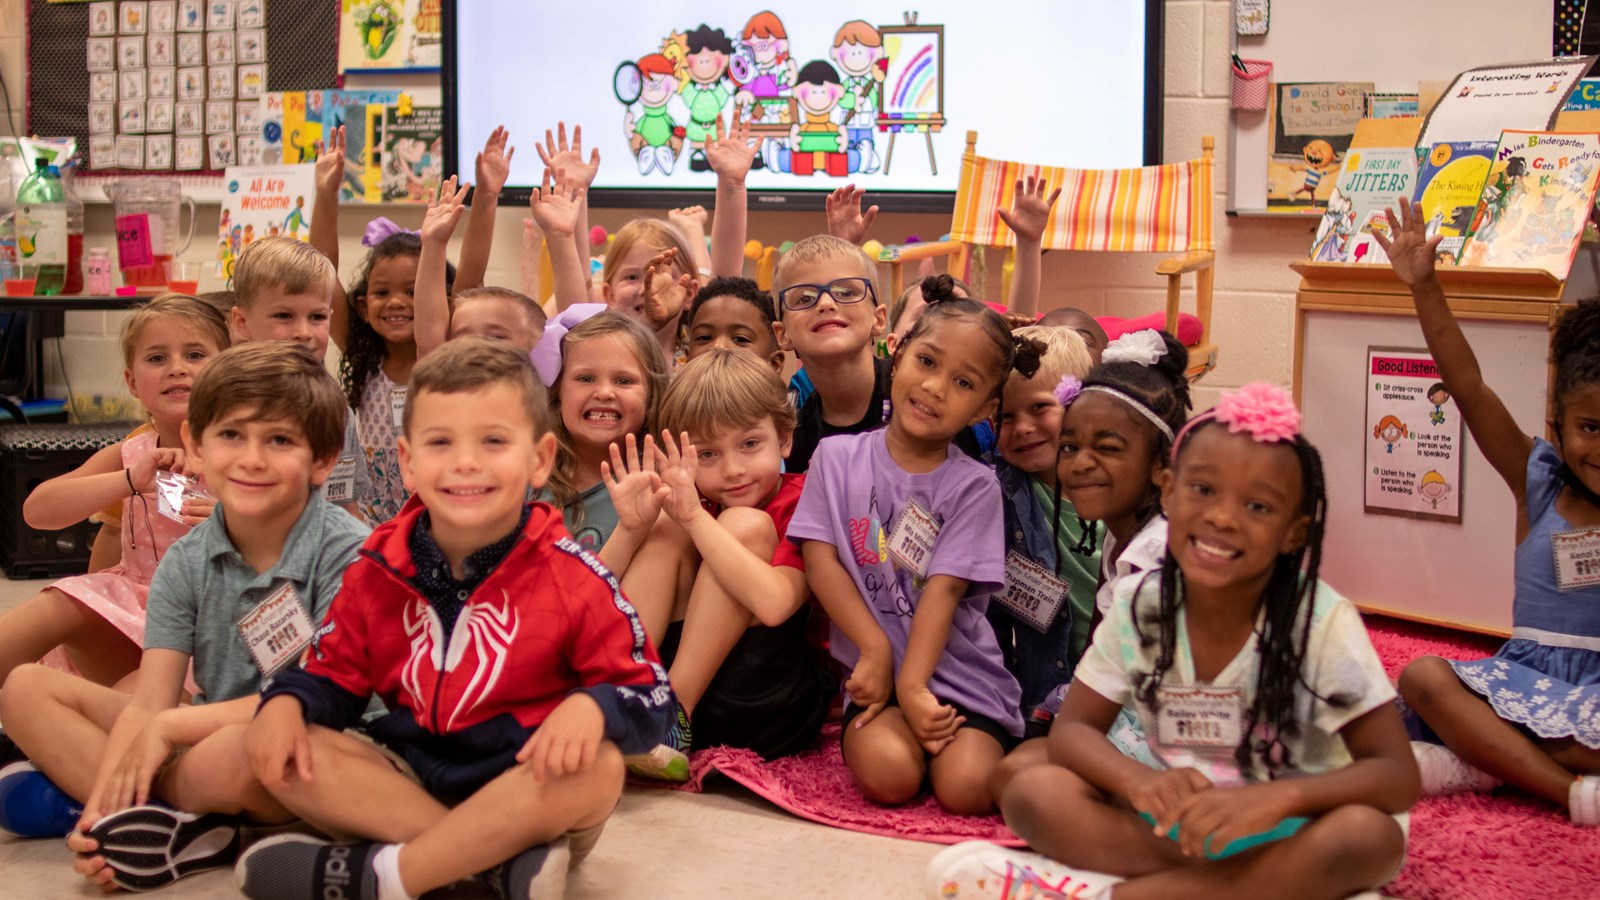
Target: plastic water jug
148 237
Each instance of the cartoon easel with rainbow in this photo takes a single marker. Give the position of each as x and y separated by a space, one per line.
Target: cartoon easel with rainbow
913 87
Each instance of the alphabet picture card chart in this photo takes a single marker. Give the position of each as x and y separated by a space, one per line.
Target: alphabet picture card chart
1412 439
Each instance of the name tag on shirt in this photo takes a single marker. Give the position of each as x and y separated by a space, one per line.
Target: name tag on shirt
1577 557
1032 593
277 631
172 489
397 405
341 485
912 538
1200 716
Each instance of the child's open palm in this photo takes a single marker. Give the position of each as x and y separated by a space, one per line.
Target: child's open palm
330 161
732 153
555 207
632 482
664 294
1411 251
1030 208
688 219
678 494
845 218
444 212
557 154
494 161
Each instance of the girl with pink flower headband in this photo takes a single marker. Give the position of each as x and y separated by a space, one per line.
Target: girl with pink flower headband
1260 694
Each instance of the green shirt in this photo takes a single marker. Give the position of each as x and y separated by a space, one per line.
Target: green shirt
1082 572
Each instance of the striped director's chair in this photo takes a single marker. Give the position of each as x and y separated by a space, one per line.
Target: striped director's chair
1154 209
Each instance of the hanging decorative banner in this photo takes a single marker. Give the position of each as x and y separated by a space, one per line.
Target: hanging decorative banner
1412 439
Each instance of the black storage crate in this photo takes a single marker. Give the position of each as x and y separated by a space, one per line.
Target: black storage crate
30 455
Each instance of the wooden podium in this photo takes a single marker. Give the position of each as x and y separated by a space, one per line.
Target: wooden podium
1456 574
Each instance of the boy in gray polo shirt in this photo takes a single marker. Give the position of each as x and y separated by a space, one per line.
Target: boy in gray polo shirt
239 596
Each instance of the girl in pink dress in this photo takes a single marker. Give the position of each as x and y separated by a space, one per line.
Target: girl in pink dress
94 624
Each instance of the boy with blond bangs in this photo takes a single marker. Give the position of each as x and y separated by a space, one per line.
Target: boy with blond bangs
829 316
741 666
238 596
283 291
499 314
512 666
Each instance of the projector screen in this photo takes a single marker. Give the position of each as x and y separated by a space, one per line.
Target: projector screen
838 92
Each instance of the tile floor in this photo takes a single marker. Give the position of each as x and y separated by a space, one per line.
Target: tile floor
659 844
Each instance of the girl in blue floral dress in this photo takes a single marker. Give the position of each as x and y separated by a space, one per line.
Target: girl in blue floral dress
1529 716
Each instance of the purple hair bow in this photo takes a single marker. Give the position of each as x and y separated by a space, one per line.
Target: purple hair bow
380 230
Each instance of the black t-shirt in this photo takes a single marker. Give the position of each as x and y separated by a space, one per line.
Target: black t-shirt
810 429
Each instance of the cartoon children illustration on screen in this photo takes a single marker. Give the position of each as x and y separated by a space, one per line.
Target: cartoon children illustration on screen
818 142
707 92
653 136
858 49
1433 488
1390 430
1438 395
764 70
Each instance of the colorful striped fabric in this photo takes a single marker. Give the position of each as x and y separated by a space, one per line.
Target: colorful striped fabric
1155 208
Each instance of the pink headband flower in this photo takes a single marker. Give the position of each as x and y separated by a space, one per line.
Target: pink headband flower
1068 390
1263 411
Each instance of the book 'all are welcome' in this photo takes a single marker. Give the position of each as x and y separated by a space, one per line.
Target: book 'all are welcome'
1372 180
260 201
1535 204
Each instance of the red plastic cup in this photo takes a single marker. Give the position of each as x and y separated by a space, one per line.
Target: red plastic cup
184 287
21 287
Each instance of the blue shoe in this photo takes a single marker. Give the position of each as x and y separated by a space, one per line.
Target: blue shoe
31 806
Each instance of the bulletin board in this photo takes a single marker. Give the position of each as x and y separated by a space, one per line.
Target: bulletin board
302 54
1394 45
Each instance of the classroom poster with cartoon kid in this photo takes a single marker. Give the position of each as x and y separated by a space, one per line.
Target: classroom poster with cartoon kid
1412 438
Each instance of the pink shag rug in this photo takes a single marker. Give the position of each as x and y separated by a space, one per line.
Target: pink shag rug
1468 846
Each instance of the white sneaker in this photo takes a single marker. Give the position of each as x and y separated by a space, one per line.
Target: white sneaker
982 869
1583 800
1443 772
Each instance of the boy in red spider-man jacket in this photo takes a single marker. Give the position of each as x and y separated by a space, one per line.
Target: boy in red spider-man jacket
515 672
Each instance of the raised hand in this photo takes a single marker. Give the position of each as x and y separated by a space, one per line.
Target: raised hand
732 153
678 494
1030 208
665 295
689 219
632 482
444 212
330 162
557 154
555 206
1411 251
845 218
494 161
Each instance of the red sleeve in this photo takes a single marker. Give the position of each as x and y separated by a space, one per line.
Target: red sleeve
787 553
340 651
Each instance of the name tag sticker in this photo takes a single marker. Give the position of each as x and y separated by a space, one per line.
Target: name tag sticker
912 538
277 631
1577 557
1200 716
397 405
1032 593
341 485
172 489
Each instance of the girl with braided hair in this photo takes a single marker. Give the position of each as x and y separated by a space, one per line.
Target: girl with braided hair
1284 765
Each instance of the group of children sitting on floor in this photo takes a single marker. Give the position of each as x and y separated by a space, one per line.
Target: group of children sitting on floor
436 611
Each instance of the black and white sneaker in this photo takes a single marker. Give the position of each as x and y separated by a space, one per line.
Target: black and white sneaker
149 847
301 867
538 873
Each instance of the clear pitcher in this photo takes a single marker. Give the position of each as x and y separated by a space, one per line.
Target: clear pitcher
147 219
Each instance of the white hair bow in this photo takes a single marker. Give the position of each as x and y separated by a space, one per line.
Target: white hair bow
1142 347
